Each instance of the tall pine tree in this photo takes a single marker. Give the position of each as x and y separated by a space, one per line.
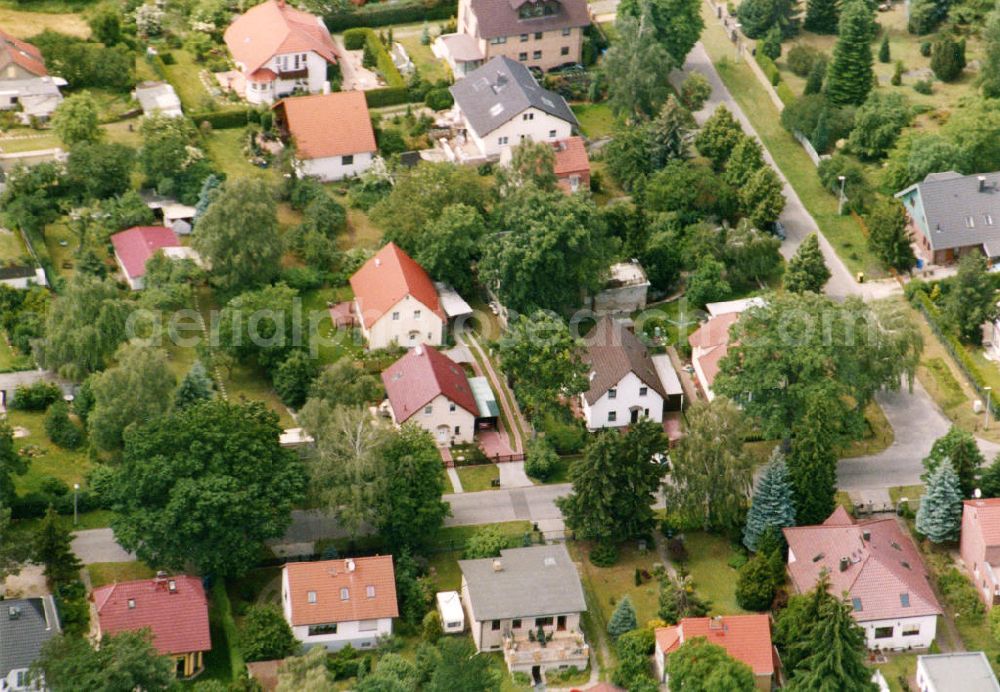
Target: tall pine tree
837 661
196 386
773 501
52 549
812 463
822 16
746 159
807 270
940 514
960 448
623 619
887 234
851 76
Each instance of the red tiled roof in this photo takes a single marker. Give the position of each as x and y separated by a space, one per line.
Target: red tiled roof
713 338
987 515
22 53
883 571
273 28
178 619
386 279
746 638
327 579
137 245
263 75
417 378
571 157
325 125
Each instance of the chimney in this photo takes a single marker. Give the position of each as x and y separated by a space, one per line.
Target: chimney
866 535
131 604
715 623
172 586
349 564
845 562
497 566
982 183
419 350
13 613
378 261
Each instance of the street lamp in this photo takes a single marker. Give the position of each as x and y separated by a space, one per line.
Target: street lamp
76 493
736 34
986 413
840 204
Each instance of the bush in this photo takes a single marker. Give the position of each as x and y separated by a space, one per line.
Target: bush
801 59
604 554
439 99
226 119
60 429
540 459
523 679
564 434
387 96
925 48
36 397
485 542
432 629
959 592
265 635
354 39
923 86
386 13
755 585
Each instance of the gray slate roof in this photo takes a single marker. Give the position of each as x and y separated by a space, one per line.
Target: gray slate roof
942 203
967 671
532 582
614 351
501 90
22 635
500 17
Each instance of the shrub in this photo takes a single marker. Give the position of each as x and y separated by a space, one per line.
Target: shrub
36 397
265 635
354 39
385 13
565 435
485 542
604 555
801 59
226 119
432 629
925 48
540 459
60 429
961 595
521 679
755 585
439 99
923 86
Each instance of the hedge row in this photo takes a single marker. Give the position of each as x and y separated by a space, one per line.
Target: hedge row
396 93
388 96
385 13
774 75
225 119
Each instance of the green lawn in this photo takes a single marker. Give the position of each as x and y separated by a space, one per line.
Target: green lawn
225 147
28 140
713 578
46 459
56 15
10 361
843 232
332 344
102 573
596 119
184 77
445 572
61 244
430 68
11 247
476 478
899 666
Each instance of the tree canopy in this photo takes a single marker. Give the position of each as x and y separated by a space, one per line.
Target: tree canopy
971 300
773 505
960 448
678 23
807 270
638 64
75 120
698 666
125 661
851 76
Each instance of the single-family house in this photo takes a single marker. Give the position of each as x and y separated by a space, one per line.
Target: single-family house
333 603
501 104
747 638
24 81
710 341
279 50
173 608
543 34
332 134
136 246
396 302
449 607
980 546
965 671
511 600
951 214
427 388
879 567
624 385
572 165
26 624
625 290
158 98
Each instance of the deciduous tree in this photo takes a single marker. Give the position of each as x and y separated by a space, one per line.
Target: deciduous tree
136 389
346 384
100 169
698 666
11 464
75 120
708 283
530 163
452 242
125 661
460 668
678 23
265 635
971 300
989 73
637 66
888 236
718 137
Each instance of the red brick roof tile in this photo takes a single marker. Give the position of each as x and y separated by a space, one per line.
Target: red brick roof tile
137 245
386 279
327 578
987 515
274 28
746 638
571 157
22 53
326 125
417 378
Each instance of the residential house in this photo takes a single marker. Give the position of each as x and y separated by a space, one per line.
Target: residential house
624 291
879 567
501 104
24 81
980 546
710 341
158 98
333 603
427 388
572 166
542 34
136 246
747 638
967 671
510 599
951 215
173 608
26 624
624 385
279 49
332 134
22 277
395 301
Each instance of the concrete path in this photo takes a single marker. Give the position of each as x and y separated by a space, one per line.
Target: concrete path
456 482
99 545
512 475
355 76
512 413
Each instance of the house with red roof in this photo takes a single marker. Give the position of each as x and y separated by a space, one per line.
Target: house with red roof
322 150
24 80
572 166
710 341
173 609
333 603
980 546
747 638
879 568
427 388
396 302
136 246
279 49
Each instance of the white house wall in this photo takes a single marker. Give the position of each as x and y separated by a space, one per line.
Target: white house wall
627 396
332 168
516 129
926 623
441 416
350 632
313 82
408 330
696 356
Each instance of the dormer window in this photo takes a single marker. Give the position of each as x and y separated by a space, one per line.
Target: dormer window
970 222
131 604
311 596
345 594
370 591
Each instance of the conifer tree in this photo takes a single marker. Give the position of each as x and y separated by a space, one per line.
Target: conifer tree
820 136
623 619
196 386
887 234
883 50
822 16
940 514
807 270
773 501
812 463
850 76
746 159
718 136
771 45
837 661
814 82
52 549
960 448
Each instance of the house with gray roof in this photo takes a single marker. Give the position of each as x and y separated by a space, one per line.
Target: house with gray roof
968 671
527 603
951 215
25 626
501 104
158 97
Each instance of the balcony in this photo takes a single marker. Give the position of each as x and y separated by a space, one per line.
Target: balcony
568 648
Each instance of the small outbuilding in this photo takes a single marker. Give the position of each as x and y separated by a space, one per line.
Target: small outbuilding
449 607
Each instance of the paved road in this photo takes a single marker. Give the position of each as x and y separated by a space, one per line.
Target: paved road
98 545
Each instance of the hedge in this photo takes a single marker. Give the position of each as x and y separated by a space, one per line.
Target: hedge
159 67
385 13
387 96
383 61
785 93
223 119
354 39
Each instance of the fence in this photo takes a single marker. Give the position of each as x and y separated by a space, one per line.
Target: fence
807 145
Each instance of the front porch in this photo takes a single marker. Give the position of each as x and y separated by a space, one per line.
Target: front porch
563 650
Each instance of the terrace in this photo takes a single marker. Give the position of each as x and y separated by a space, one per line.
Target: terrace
567 648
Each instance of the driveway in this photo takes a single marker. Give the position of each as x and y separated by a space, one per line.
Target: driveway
99 545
